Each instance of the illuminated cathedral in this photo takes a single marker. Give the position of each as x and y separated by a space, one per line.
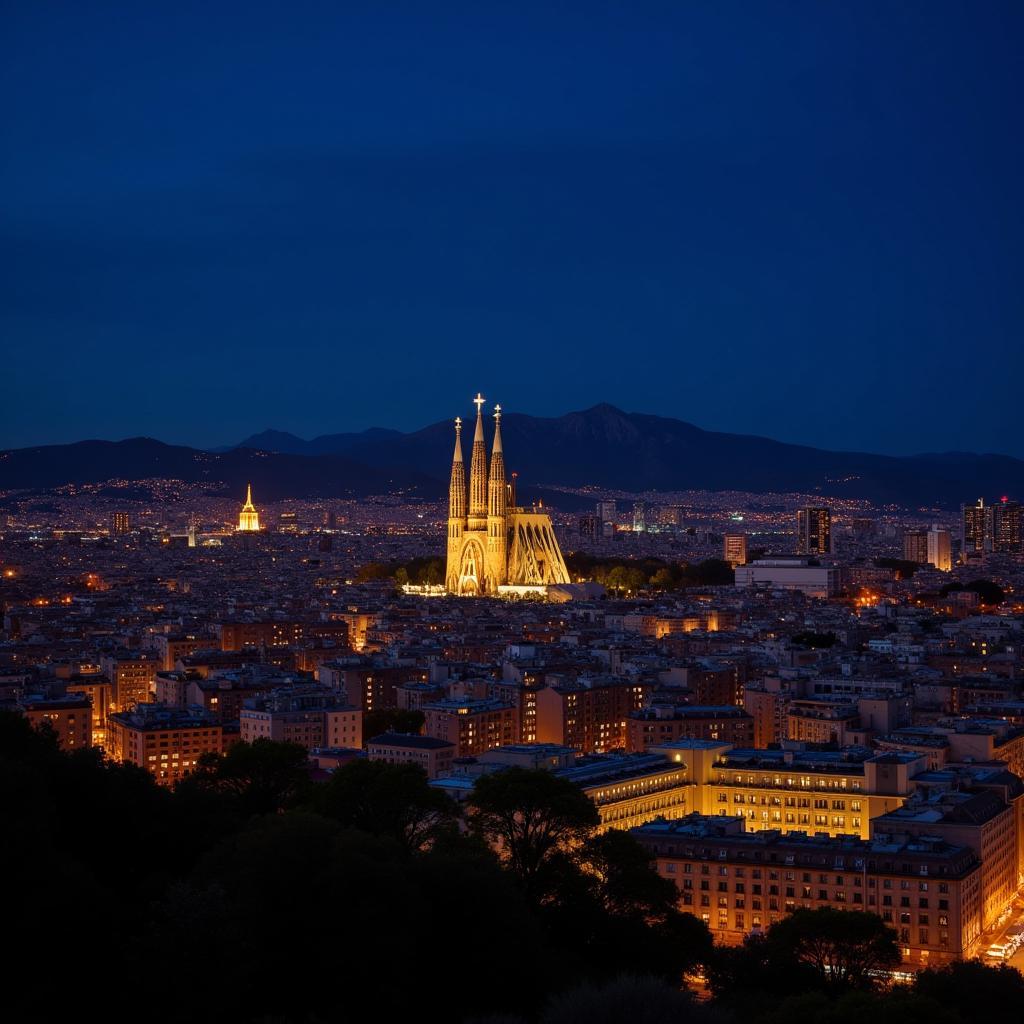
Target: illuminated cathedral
492 543
248 518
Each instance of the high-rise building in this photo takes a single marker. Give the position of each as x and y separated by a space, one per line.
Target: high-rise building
1007 527
974 528
491 543
639 518
120 523
915 546
814 531
734 549
940 549
606 516
588 527
248 518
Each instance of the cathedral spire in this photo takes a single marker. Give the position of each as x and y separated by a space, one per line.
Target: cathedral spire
457 487
497 496
478 467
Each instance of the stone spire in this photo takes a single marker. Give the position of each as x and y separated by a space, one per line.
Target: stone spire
478 471
457 487
497 495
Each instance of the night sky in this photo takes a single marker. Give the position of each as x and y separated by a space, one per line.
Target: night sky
802 220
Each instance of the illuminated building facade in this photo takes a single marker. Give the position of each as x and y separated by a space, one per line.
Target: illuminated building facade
492 543
973 528
735 549
589 714
837 792
120 523
311 716
741 882
472 725
69 717
434 756
940 549
915 546
248 518
666 723
1007 527
814 531
167 742
132 677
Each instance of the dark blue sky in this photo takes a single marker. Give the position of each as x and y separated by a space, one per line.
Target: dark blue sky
802 220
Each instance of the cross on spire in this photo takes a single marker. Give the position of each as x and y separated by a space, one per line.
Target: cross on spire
479 402
458 422
497 412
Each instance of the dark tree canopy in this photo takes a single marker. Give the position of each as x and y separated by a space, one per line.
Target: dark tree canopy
529 816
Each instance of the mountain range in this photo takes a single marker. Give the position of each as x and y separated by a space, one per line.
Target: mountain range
601 447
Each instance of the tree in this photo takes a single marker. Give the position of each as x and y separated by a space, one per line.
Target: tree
639 1000
385 800
845 948
966 985
263 776
662 579
627 883
529 816
373 571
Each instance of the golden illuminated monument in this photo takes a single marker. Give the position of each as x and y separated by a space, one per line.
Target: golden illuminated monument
491 542
248 518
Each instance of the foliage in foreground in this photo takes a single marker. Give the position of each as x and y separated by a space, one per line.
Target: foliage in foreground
250 894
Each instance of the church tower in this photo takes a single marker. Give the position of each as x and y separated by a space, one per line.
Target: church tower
478 472
248 518
497 507
456 509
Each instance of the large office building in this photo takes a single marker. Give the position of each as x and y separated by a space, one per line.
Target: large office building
734 549
837 791
814 531
915 546
740 882
939 549
974 528
1007 534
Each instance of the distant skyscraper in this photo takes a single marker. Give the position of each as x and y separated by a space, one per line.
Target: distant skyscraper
589 527
639 517
814 531
248 518
735 549
331 520
121 523
915 546
606 516
975 528
940 549
1007 527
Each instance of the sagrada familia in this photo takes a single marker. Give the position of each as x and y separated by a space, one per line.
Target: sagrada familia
492 544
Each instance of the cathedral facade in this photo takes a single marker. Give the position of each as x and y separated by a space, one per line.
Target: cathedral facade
492 543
